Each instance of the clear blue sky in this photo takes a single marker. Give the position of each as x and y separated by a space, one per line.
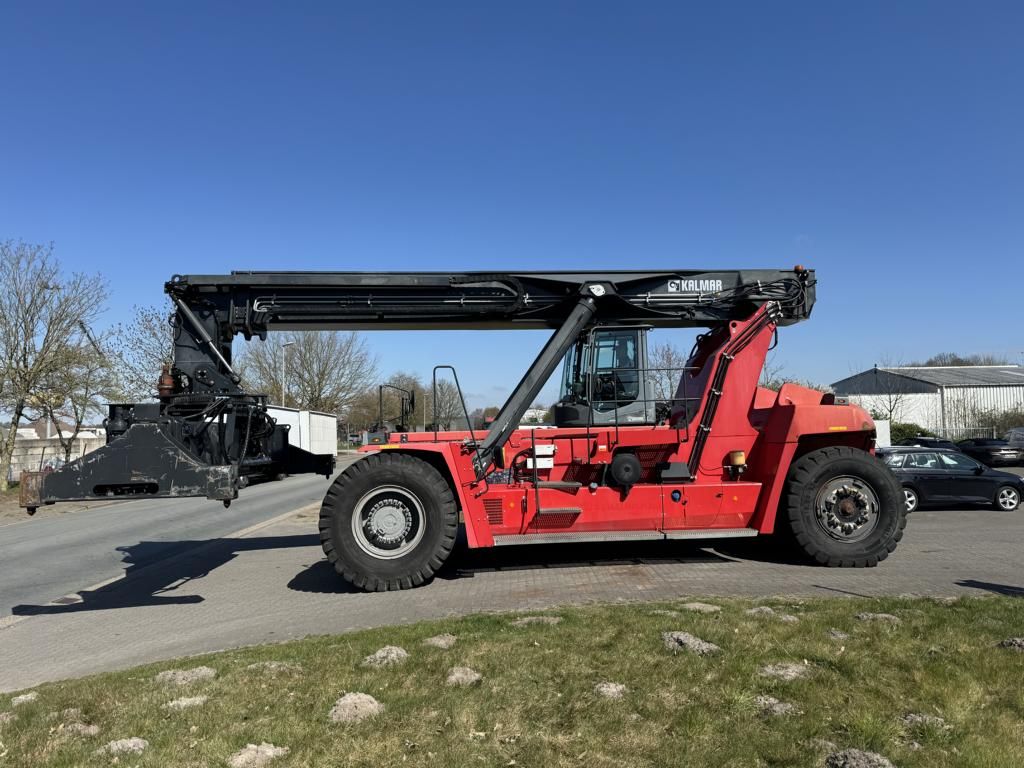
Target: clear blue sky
881 143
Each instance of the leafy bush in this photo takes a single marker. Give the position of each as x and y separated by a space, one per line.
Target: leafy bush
900 430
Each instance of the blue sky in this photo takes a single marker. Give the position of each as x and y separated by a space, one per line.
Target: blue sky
881 143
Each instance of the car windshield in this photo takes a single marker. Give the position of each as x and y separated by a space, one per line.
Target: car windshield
894 459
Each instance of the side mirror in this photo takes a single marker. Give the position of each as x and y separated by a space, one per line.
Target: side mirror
979 470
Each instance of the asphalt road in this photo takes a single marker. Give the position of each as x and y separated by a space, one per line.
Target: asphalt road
273 584
46 558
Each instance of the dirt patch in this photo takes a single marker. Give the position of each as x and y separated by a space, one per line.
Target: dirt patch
25 698
769 705
186 676
443 641
701 607
186 703
663 612
256 755
133 745
463 676
838 634
856 758
274 667
610 690
388 656
676 641
525 621
886 618
1013 643
353 707
785 671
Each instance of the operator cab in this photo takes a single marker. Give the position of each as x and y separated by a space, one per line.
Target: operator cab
605 380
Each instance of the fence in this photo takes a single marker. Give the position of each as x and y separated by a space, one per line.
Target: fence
46 453
965 433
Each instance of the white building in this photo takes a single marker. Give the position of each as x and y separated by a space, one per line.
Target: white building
944 399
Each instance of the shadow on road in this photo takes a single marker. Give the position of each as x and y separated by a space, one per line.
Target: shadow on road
148 582
987 586
465 563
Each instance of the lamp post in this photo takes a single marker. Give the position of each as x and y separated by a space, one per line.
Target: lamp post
284 367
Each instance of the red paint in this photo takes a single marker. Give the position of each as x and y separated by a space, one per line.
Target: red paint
772 428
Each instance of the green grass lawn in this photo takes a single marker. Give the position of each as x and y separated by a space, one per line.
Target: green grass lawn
537 706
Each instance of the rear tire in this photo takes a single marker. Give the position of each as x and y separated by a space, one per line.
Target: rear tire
1007 499
843 507
388 522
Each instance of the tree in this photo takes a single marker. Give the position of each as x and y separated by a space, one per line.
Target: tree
952 358
41 317
78 390
323 371
446 406
892 392
666 364
364 411
141 348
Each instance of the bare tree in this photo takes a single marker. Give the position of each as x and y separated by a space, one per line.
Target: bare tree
141 347
446 406
666 365
77 390
364 411
323 371
41 314
892 391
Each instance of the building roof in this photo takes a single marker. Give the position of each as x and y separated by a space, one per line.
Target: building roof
929 378
966 375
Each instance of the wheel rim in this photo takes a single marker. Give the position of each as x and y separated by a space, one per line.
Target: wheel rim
388 522
846 509
1008 499
910 498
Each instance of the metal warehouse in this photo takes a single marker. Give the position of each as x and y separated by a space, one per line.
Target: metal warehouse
941 398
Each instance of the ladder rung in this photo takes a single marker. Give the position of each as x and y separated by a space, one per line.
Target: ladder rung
567 485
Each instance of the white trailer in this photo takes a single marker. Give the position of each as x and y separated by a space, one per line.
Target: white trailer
311 431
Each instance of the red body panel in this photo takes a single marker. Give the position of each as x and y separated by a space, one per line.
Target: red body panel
771 428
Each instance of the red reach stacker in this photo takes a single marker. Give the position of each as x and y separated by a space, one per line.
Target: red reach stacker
721 457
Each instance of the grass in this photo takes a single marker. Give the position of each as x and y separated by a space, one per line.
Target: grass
536 705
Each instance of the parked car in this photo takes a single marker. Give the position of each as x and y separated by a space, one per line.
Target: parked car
940 476
1015 437
929 442
992 451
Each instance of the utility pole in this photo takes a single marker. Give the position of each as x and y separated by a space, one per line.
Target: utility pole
284 368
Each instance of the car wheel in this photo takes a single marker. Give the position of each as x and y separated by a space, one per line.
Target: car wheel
1007 499
910 499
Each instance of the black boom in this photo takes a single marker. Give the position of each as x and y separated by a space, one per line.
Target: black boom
204 435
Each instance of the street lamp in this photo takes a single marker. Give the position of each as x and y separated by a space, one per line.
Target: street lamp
284 366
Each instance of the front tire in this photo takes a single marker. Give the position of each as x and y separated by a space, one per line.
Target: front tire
1007 499
910 499
843 507
388 522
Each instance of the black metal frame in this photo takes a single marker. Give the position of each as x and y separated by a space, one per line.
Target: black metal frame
212 309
